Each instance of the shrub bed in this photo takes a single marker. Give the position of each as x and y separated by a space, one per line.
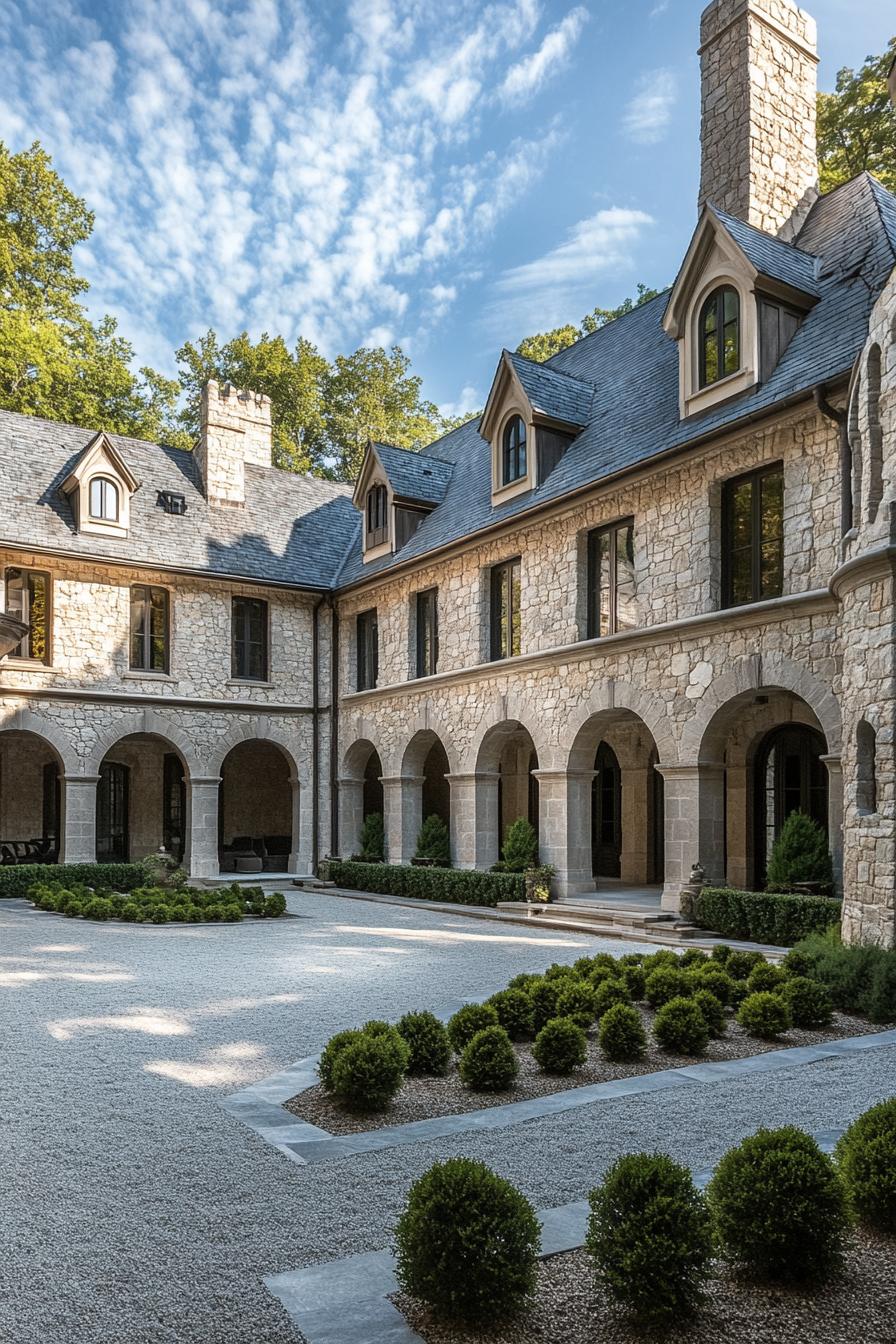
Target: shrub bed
764 916
866 1158
17 880
158 905
456 886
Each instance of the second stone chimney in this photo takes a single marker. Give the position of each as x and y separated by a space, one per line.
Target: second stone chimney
758 61
235 429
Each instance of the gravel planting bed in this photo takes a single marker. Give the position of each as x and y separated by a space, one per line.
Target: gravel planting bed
420 1098
569 1309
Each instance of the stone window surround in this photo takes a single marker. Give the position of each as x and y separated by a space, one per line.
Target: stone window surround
695 398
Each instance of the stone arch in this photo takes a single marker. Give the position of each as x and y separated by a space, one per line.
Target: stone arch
510 712
24 721
425 726
149 723
620 695
261 729
356 756
360 790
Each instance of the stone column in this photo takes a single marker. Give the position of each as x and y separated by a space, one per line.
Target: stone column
694 825
564 830
351 816
475 825
300 845
201 849
78 806
835 817
403 809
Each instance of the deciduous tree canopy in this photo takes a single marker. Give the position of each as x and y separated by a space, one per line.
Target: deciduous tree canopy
547 343
857 124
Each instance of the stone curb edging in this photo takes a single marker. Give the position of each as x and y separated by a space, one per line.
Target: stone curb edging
347 1301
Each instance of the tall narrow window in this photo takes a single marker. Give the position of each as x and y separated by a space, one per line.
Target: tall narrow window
513 452
104 499
249 639
377 515
753 536
367 639
149 628
505 610
612 592
866 769
427 632
28 599
719 335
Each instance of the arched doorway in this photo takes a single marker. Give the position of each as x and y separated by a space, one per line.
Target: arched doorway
373 785
141 800
436 790
360 794
257 809
789 775
30 799
506 787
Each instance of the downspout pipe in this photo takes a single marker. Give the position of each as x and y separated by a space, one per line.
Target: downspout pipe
841 420
315 732
334 728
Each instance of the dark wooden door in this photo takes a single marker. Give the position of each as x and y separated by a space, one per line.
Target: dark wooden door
112 837
789 776
606 824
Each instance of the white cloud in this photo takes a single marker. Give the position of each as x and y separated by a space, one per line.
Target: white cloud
649 111
467 402
526 77
659 8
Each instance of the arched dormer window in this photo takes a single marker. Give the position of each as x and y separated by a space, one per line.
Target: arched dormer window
377 515
104 500
719 335
513 451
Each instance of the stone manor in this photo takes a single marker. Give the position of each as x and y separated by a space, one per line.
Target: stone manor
647 600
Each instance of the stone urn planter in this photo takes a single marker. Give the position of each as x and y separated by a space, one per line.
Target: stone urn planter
538 884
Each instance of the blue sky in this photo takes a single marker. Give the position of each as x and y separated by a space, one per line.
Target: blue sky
448 174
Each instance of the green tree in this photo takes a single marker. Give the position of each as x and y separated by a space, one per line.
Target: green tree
548 343
800 854
857 124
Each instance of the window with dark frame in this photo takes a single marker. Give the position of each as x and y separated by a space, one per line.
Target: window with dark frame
367 651
427 632
377 515
249 639
753 536
505 610
719 335
513 451
28 599
612 591
149 628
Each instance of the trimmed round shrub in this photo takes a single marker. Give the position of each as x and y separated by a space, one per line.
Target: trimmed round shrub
231 914
130 912
798 962
160 914
333 1048
605 959
578 1001
609 994
665 983
711 977
524 981
558 970
621 1034
465 1023
765 976
514 1009
273 906
866 1157
720 953
98 908
737 993
663 957
740 964
560 1046
73 908
466 1243
368 1071
543 995
680 1028
713 1012
429 1049
694 956
779 1206
602 973
631 959
809 1002
650 1238
765 1015
635 980
195 914
583 967
489 1062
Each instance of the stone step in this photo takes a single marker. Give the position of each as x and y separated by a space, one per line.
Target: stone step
616 923
312 883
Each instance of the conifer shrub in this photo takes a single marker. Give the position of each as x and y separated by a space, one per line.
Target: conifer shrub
465 1023
665 983
577 1000
520 849
489 1062
879 1002
779 1207
429 1049
800 854
680 1028
621 1034
433 842
866 1159
713 1011
373 838
610 993
560 1046
368 1071
765 1015
650 1238
543 995
514 1009
466 1243
809 1002
765 976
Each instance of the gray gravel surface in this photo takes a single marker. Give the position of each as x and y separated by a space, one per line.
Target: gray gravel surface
134 1208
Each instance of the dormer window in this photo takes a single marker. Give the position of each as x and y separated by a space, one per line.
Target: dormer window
104 498
513 451
99 487
377 515
719 335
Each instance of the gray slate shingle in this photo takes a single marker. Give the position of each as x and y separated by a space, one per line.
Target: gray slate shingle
413 476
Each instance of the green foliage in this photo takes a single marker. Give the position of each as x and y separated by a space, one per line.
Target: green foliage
560 1046
489 1062
331 1051
710 976
713 1011
665 983
693 958
558 970
650 1237
765 1015
427 1041
433 841
680 1027
514 1009
800 854
98 909
523 981
154 904
866 1159
520 850
621 1034
740 964
366 1071
160 914
857 125
466 1243
548 343
467 1021
766 976
18 879
131 913
809 1002
779 1207
457 886
610 993
797 962
74 908
163 870
635 980
543 995
577 1000
274 905
764 916
373 839
720 953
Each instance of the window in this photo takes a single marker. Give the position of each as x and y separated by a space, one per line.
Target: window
753 536
866 769
104 499
513 452
377 515
367 636
249 639
505 611
28 599
611 580
719 335
149 628
427 632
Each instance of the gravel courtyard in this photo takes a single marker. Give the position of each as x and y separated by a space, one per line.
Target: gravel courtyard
134 1208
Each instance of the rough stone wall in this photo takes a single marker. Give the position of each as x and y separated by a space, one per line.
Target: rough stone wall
22 760
758 137
235 428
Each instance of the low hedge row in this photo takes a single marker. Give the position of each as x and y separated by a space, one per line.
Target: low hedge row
18 879
764 916
458 886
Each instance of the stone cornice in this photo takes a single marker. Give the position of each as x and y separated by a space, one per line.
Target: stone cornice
79 696
879 563
785 34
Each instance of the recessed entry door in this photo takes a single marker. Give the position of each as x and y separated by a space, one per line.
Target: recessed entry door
606 819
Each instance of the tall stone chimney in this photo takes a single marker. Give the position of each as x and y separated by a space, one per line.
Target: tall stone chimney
235 428
758 62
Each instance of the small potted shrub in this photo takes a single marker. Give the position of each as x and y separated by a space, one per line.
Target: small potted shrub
538 883
560 1046
433 845
489 1062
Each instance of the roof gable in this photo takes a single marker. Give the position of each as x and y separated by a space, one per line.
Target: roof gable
547 392
412 477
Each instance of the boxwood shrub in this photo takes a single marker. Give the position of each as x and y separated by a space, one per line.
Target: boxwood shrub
809 1002
621 1034
560 1046
866 1157
764 916
514 1009
427 1041
489 1062
368 1070
465 1023
668 982
681 1028
17 879
459 886
765 1015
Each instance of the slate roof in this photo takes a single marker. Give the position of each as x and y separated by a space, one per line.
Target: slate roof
414 477
553 392
771 257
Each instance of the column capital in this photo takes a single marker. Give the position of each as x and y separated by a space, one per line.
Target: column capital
198 780
81 779
402 779
833 763
348 781
482 776
693 770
